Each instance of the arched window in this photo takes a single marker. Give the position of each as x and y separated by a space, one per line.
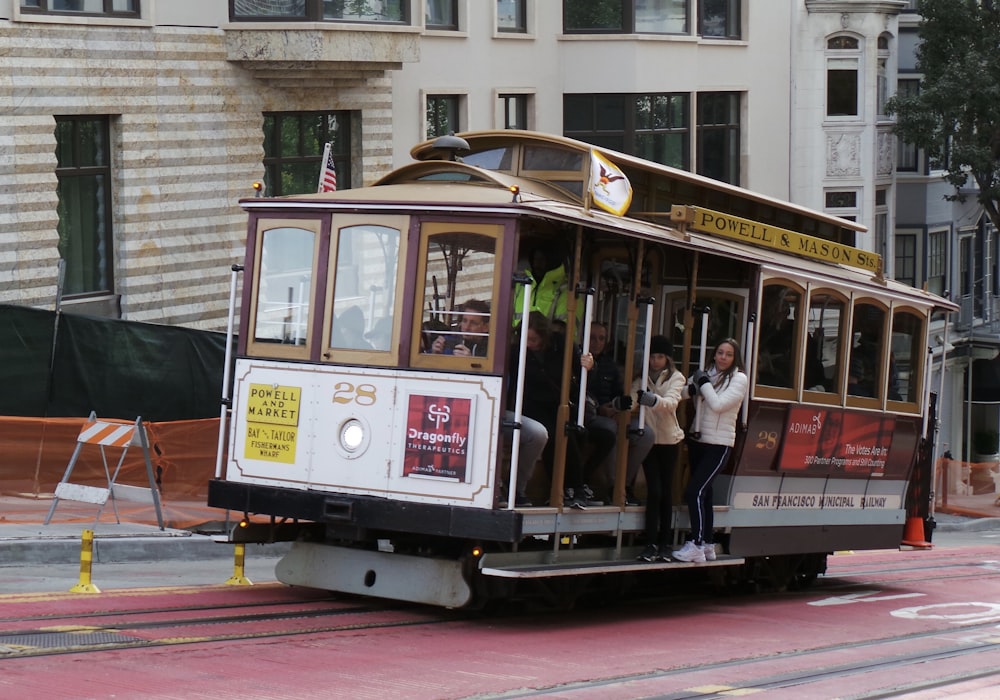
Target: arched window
843 61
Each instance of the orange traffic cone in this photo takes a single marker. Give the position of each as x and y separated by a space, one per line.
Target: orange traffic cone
913 535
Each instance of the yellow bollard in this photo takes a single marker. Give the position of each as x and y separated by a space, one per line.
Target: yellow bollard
238 578
86 560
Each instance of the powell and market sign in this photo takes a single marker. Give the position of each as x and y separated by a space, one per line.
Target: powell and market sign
756 233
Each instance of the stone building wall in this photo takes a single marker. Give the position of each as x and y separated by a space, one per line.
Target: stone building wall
186 146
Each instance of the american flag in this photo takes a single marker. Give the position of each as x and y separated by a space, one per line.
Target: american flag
328 176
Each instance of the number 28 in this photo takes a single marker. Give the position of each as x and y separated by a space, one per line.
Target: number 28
362 394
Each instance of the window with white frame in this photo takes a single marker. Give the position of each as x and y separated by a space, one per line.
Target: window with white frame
842 203
388 11
515 110
905 263
443 115
626 16
937 262
110 8
843 59
907 154
882 77
512 16
441 14
719 19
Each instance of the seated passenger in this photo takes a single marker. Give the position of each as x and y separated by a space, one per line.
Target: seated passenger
605 385
474 328
349 330
542 397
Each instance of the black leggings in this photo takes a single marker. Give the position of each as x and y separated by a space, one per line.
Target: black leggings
706 462
659 469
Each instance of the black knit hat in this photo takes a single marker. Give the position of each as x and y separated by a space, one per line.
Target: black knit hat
660 345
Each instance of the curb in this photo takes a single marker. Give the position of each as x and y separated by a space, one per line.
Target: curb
968 525
118 550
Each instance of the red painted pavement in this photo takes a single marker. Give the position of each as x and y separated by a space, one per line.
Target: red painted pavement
463 658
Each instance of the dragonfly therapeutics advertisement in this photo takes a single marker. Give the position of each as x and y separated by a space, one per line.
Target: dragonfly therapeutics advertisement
437 437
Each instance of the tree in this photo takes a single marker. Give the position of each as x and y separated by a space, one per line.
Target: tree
955 117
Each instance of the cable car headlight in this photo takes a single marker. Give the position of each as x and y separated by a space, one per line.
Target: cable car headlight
352 435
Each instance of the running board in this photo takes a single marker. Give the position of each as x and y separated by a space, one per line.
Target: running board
582 562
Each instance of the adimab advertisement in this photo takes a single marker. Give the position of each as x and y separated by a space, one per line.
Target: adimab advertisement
835 441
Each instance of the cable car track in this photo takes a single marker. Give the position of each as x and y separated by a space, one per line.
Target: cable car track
814 671
76 638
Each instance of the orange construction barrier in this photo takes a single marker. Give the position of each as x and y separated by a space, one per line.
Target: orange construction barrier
913 535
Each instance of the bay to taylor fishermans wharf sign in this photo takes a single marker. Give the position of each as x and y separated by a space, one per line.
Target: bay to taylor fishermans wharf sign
755 233
272 422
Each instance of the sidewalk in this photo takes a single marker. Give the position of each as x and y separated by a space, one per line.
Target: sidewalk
189 531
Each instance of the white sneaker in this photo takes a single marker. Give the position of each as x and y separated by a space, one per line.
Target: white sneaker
690 552
709 550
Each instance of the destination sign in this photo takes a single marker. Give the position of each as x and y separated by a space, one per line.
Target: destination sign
784 240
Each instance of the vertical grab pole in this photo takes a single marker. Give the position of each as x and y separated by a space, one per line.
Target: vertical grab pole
584 373
701 364
522 358
644 381
227 400
748 353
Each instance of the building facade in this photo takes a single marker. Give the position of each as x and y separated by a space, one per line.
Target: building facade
129 129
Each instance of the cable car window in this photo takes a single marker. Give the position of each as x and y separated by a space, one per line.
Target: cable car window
456 308
546 158
780 316
827 316
493 159
867 336
906 357
287 257
365 291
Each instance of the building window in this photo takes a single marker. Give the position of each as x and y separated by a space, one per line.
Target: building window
655 127
907 154
515 111
841 90
293 150
843 58
937 262
443 115
906 259
719 19
626 16
441 14
114 8
512 16
881 243
388 11
718 136
882 77
842 203
83 169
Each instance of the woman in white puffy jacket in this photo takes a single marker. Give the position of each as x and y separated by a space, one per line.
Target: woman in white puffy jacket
719 393
663 391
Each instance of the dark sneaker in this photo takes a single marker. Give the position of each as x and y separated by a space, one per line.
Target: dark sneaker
522 502
586 496
650 553
630 499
